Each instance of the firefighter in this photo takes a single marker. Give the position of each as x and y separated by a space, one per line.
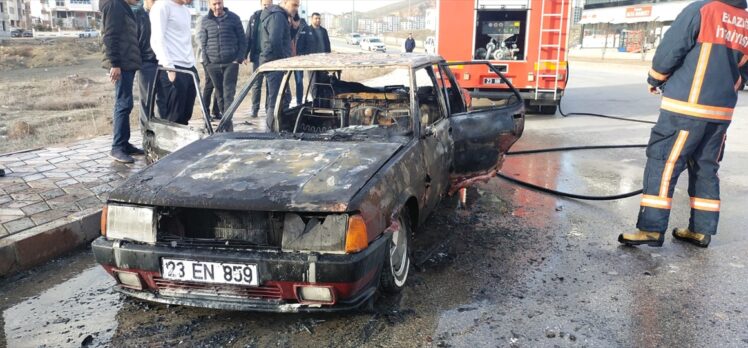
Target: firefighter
698 67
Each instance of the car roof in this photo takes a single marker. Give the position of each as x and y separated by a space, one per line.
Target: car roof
332 61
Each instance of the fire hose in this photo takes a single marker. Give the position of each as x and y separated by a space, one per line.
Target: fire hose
576 148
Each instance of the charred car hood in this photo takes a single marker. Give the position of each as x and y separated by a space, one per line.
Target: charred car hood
256 174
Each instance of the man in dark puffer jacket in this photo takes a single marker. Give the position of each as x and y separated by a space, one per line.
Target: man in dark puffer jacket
122 58
224 47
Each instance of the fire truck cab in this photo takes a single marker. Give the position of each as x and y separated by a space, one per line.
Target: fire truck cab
526 40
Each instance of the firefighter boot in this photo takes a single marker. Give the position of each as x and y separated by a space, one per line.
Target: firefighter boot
640 237
698 239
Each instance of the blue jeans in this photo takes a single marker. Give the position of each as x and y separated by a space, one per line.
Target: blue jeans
122 107
299 77
274 80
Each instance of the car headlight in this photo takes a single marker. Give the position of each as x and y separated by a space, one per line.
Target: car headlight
130 223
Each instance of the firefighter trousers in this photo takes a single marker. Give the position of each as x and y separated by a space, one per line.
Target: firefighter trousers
675 144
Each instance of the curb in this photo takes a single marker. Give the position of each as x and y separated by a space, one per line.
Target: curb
42 243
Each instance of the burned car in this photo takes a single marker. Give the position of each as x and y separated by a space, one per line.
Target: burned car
316 212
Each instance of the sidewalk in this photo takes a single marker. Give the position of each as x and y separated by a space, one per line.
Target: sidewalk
51 198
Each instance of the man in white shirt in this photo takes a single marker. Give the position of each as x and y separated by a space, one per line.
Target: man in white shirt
171 40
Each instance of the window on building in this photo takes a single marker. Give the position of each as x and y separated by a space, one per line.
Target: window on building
60 3
2 9
81 2
203 6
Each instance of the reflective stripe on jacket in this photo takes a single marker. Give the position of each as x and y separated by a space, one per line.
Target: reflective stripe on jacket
701 61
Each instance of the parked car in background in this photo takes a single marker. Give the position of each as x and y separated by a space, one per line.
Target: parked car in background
16 32
27 34
90 32
318 212
373 43
353 39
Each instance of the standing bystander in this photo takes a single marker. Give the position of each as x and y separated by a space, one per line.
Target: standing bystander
410 43
253 53
147 73
275 38
224 46
122 58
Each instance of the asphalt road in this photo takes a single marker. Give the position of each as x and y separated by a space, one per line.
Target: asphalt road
516 268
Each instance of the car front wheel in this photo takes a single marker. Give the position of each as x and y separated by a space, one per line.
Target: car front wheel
397 261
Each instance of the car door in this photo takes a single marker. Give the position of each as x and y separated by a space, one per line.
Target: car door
434 137
481 137
161 136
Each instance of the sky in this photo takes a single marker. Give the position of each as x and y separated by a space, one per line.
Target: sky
245 8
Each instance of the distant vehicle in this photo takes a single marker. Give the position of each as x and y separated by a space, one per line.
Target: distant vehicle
430 45
89 33
27 34
529 46
16 33
353 39
373 44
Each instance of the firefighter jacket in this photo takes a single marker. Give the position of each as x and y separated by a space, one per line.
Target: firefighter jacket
701 62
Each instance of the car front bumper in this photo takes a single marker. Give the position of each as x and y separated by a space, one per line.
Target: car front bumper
353 278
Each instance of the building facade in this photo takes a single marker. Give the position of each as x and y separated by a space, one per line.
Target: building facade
627 25
12 16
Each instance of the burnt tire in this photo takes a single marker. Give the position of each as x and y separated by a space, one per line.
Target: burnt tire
396 264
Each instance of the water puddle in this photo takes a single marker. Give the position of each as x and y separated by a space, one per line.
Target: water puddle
79 311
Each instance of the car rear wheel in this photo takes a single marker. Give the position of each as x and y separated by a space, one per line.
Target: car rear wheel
397 260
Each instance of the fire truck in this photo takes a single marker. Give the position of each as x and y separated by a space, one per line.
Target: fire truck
526 40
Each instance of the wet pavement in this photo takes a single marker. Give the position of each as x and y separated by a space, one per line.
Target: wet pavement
515 268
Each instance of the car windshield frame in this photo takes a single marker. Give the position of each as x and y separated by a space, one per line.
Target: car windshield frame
349 132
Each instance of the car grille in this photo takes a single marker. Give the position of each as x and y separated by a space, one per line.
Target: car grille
219 228
171 288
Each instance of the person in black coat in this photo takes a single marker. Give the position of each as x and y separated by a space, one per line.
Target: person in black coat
253 54
224 47
122 58
410 44
310 39
275 43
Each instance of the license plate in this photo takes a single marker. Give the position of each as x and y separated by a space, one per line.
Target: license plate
492 81
210 272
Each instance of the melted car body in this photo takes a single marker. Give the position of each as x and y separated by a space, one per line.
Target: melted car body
315 213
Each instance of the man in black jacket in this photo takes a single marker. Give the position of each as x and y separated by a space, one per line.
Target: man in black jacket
309 40
275 40
147 73
410 44
253 54
224 46
122 58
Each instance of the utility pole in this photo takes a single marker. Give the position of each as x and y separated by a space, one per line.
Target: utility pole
353 17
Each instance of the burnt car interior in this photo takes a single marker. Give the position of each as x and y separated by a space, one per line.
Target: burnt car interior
334 100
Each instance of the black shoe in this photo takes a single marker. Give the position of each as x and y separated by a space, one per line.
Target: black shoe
121 156
254 116
134 151
697 239
652 239
217 117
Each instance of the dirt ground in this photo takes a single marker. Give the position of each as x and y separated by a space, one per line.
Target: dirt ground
55 91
